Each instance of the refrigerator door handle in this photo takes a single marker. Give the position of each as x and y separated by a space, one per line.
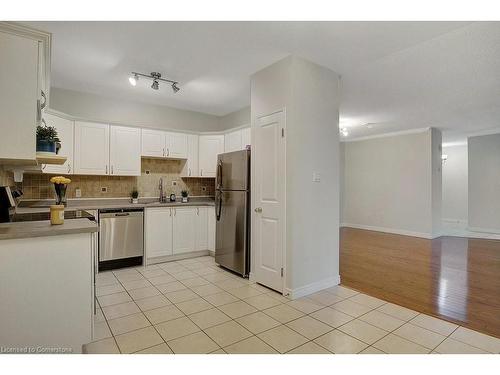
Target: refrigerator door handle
219 206
219 174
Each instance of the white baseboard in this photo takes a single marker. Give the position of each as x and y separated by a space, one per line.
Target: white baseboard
392 230
251 277
313 287
484 230
171 258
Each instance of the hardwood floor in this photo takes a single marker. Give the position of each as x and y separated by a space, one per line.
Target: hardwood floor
453 278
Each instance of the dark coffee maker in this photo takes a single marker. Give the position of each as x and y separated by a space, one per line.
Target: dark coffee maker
8 202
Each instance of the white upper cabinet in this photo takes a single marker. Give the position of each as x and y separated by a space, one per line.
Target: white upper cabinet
65 132
237 140
158 237
153 143
125 151
23 77
184 230
246 138
91 148
202 228
210 147
190 167
176 145
232 141
160 144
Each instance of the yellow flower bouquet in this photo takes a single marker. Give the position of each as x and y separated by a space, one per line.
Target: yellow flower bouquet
60 185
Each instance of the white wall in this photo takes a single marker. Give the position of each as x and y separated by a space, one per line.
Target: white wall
455 189
484 183
99 108
392 184
310 95
235 119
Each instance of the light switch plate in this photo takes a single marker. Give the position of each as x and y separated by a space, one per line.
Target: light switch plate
316 177
78 193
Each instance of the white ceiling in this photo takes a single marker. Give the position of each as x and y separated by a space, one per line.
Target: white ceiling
396 75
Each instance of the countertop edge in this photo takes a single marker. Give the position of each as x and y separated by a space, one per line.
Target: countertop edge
33 229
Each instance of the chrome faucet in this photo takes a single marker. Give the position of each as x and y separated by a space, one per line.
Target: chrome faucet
162 193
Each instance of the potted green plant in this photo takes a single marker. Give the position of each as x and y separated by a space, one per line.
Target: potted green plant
135 196
47 139
184 194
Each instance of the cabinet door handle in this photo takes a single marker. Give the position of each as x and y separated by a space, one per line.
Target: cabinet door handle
168 152
111 169
198 211
163 151
170 210
106 169
201 172
189 174
175 211
69 168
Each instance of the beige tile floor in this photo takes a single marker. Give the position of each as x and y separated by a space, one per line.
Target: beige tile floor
194 306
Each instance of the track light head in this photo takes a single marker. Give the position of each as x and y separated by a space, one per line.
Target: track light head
133 79
155 85
175 88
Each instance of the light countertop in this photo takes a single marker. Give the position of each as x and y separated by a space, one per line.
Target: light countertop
112 203
30 229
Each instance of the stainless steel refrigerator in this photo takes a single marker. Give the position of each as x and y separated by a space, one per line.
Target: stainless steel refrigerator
232 211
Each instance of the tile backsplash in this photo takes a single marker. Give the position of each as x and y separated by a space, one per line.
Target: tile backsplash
6 177
38 186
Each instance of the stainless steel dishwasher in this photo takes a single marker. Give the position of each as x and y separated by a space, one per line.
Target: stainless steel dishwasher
121 238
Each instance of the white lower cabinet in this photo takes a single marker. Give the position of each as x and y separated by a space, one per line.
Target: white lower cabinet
158 231
211 228
202 228
178 230
184 230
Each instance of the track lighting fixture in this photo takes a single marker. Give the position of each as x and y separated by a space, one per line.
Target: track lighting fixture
156 77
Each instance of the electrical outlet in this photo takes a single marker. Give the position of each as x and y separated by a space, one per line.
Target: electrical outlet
147 171
78 193
203 188
104 189
174 183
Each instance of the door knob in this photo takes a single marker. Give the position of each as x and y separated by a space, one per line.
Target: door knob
258 210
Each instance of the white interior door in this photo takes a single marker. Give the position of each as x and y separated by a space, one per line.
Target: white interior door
269 200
